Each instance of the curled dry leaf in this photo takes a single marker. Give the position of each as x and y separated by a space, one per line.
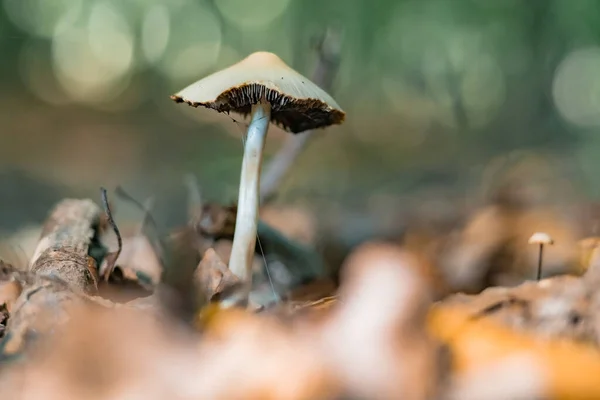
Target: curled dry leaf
223 249
213 277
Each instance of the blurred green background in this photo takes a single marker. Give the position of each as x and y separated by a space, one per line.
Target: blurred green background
435 92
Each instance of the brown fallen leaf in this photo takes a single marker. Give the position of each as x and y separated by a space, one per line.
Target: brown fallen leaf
102 354
213 277
558 307
556 365
223 249
370 343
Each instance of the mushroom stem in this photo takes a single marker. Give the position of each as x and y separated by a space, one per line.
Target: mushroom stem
244 239
539 269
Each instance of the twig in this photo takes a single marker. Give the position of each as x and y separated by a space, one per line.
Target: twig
69 237
329 47
111 258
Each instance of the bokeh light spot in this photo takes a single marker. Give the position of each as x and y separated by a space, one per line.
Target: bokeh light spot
42 17
483 89
155 32
576 87
93 59
110 38
193 44
39 79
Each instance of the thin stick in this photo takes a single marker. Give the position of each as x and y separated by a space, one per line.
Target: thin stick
113 257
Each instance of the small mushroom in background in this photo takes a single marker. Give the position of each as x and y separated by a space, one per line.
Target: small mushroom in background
263 86
540 239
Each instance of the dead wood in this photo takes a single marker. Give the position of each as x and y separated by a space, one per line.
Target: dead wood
62 272
69 248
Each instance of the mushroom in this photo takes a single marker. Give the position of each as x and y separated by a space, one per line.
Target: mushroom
263 86
540 238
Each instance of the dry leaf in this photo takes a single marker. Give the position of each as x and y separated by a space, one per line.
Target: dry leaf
213 277
375 339
558 364
107 354
223 249
555 307
263 358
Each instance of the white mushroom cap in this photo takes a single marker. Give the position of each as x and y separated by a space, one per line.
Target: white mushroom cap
297 104
540 238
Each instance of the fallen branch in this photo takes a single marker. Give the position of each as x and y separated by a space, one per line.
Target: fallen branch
70 237
62 272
